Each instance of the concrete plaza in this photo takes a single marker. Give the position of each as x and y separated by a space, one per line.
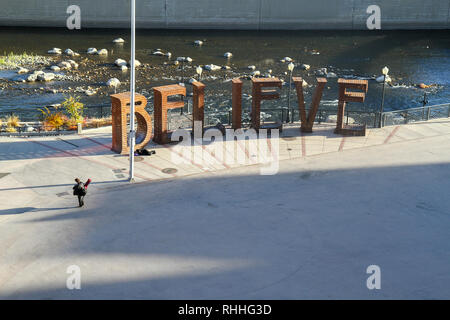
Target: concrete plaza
220 230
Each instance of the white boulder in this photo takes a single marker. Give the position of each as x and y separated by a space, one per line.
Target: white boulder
228 55
69 52
331 75
64 65
198 43
92 51
102 52
90 92
55 51
55 68
322 72
158 52
253 68
256 73
120 62
305 67
22 71
31 78
123 68
137 63
212 67
288 59
113 82
118 40
46 76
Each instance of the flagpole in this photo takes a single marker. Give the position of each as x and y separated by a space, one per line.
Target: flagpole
132 89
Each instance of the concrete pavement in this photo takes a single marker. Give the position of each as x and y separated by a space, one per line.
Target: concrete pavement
220 230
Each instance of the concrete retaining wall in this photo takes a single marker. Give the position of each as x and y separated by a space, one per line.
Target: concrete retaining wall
230 14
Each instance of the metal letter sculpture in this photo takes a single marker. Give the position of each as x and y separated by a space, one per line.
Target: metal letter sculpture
259 94
236 104
350 96
308 119
161 105
120 105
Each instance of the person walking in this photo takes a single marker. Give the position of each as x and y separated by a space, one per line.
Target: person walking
80 190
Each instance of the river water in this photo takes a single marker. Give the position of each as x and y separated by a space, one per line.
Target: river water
413 57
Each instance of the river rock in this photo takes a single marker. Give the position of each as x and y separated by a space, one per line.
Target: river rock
69 52
287 59
256 73
253 68
120 62
158 52
226 68
31 78
212 67
29 128
92 51
305 67
113 82
198 43
55 68
123 67
46 76
64 65
90 92
73 64
189 59
137 63
118 40
168 55
102 52
55 51
22 71
331 75
322 72
228 55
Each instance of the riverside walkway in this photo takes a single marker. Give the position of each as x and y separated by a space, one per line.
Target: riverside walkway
220 229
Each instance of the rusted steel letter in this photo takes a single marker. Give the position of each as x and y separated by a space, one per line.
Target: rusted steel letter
308 119
259 94
161 105
120 109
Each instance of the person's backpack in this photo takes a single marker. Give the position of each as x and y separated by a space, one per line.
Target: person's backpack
80 189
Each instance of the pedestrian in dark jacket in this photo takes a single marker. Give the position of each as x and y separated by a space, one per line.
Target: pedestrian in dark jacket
80 190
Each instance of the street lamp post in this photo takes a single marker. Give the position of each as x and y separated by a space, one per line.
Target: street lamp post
385 72
291 67
132 89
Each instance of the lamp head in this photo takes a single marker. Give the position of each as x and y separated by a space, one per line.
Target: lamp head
385 71
291 66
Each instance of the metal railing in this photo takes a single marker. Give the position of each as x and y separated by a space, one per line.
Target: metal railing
415 114
178 119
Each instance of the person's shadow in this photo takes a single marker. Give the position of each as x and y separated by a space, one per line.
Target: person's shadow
30 209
